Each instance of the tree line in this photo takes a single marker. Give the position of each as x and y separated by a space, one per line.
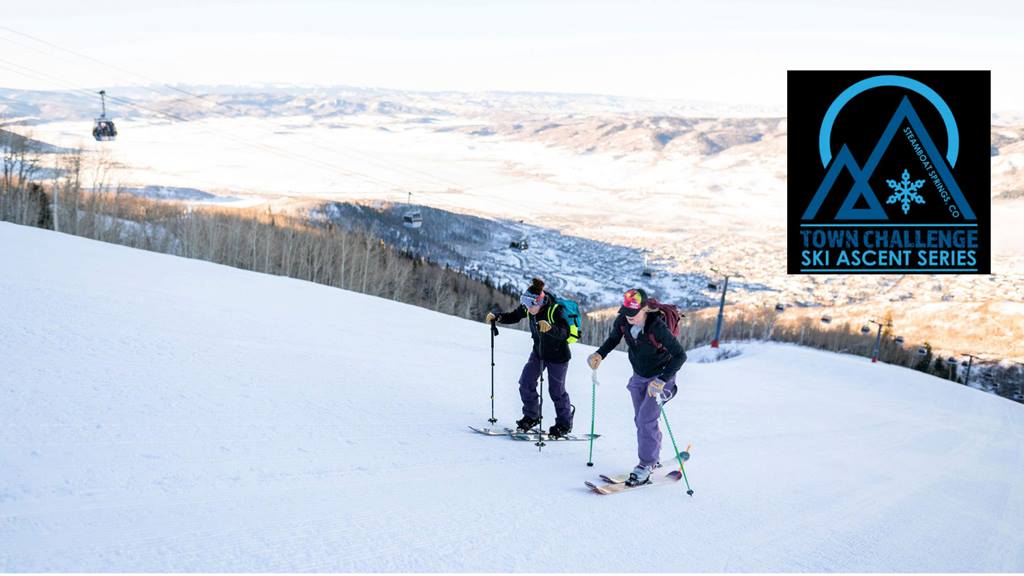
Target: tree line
251 239
766 324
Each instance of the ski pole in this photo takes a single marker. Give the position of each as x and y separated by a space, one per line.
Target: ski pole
540 396
679 457
494 332
593 404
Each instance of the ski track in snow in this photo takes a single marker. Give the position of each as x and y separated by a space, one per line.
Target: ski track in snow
162 414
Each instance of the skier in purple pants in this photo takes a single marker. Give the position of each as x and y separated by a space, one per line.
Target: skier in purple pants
550 352
656 355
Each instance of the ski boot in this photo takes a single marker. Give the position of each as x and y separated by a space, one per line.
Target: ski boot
526 424
640 475
559 431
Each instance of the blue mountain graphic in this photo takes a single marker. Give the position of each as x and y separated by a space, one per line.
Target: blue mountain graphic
861 176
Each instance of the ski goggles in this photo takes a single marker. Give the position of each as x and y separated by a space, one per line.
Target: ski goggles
530 300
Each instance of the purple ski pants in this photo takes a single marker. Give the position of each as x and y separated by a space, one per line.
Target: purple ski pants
646 416
556 388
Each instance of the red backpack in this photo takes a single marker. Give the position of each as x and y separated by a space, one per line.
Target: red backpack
670 312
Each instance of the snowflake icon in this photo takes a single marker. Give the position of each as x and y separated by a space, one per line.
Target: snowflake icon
905 191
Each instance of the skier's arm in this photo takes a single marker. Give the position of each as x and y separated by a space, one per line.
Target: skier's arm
673 347
560 329
512 317
614 337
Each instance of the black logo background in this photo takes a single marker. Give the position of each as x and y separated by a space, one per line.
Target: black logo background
861 124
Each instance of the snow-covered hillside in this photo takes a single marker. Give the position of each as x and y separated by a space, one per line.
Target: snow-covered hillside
162 414
588 271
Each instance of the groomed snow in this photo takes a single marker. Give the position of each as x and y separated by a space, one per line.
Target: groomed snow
163 414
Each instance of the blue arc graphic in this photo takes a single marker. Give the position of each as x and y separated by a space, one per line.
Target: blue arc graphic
952 133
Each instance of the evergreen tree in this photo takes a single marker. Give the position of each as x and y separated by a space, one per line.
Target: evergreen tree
925 363
44 216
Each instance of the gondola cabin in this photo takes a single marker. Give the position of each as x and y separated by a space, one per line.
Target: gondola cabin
412 220
104 130
520 245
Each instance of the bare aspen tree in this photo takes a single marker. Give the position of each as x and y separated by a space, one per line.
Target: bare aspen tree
342 278
367 245
7 175
267 233
72 167
55 187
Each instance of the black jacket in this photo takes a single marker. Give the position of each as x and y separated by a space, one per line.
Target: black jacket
648 359
551 346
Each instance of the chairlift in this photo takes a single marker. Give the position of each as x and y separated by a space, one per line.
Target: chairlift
899 340
865 329
826 319
712 286
104 129
780 307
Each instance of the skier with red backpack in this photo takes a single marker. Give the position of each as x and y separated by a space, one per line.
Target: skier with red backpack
651 330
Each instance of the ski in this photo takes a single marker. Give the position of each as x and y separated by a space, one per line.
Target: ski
673 476
527 436
620 478
492 431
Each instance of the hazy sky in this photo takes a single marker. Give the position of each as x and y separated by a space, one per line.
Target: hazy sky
726 51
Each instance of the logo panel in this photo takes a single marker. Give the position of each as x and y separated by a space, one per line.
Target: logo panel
889 173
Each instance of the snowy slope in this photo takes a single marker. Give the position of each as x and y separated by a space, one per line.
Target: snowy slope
162 414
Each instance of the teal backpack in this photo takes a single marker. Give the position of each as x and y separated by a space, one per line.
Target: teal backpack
570 310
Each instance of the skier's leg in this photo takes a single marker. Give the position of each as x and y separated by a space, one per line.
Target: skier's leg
646 415
556 389
528 386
